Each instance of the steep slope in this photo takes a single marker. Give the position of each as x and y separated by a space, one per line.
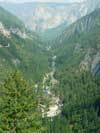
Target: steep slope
20 49
79 45
83 25
9 20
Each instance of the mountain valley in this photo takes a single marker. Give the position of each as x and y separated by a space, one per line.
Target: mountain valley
50 67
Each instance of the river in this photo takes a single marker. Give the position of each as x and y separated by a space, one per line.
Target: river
54 107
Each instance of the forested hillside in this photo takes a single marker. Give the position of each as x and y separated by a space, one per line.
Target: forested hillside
78 73
20 49
23 63
79 45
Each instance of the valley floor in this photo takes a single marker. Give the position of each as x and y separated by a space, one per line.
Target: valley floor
54 103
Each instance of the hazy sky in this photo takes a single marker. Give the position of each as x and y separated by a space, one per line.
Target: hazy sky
42 1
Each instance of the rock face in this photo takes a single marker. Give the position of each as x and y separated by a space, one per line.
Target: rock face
91 62
4 31
17 31
95 66
7 32
44 16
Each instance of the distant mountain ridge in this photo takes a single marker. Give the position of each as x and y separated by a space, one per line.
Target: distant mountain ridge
45 16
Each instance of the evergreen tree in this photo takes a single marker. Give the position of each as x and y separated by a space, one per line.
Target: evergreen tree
19 111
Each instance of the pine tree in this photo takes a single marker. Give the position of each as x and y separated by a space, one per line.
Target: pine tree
19 107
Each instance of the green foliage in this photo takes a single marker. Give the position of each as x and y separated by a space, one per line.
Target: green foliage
24 54
78 90
19 107
71 51
80 94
